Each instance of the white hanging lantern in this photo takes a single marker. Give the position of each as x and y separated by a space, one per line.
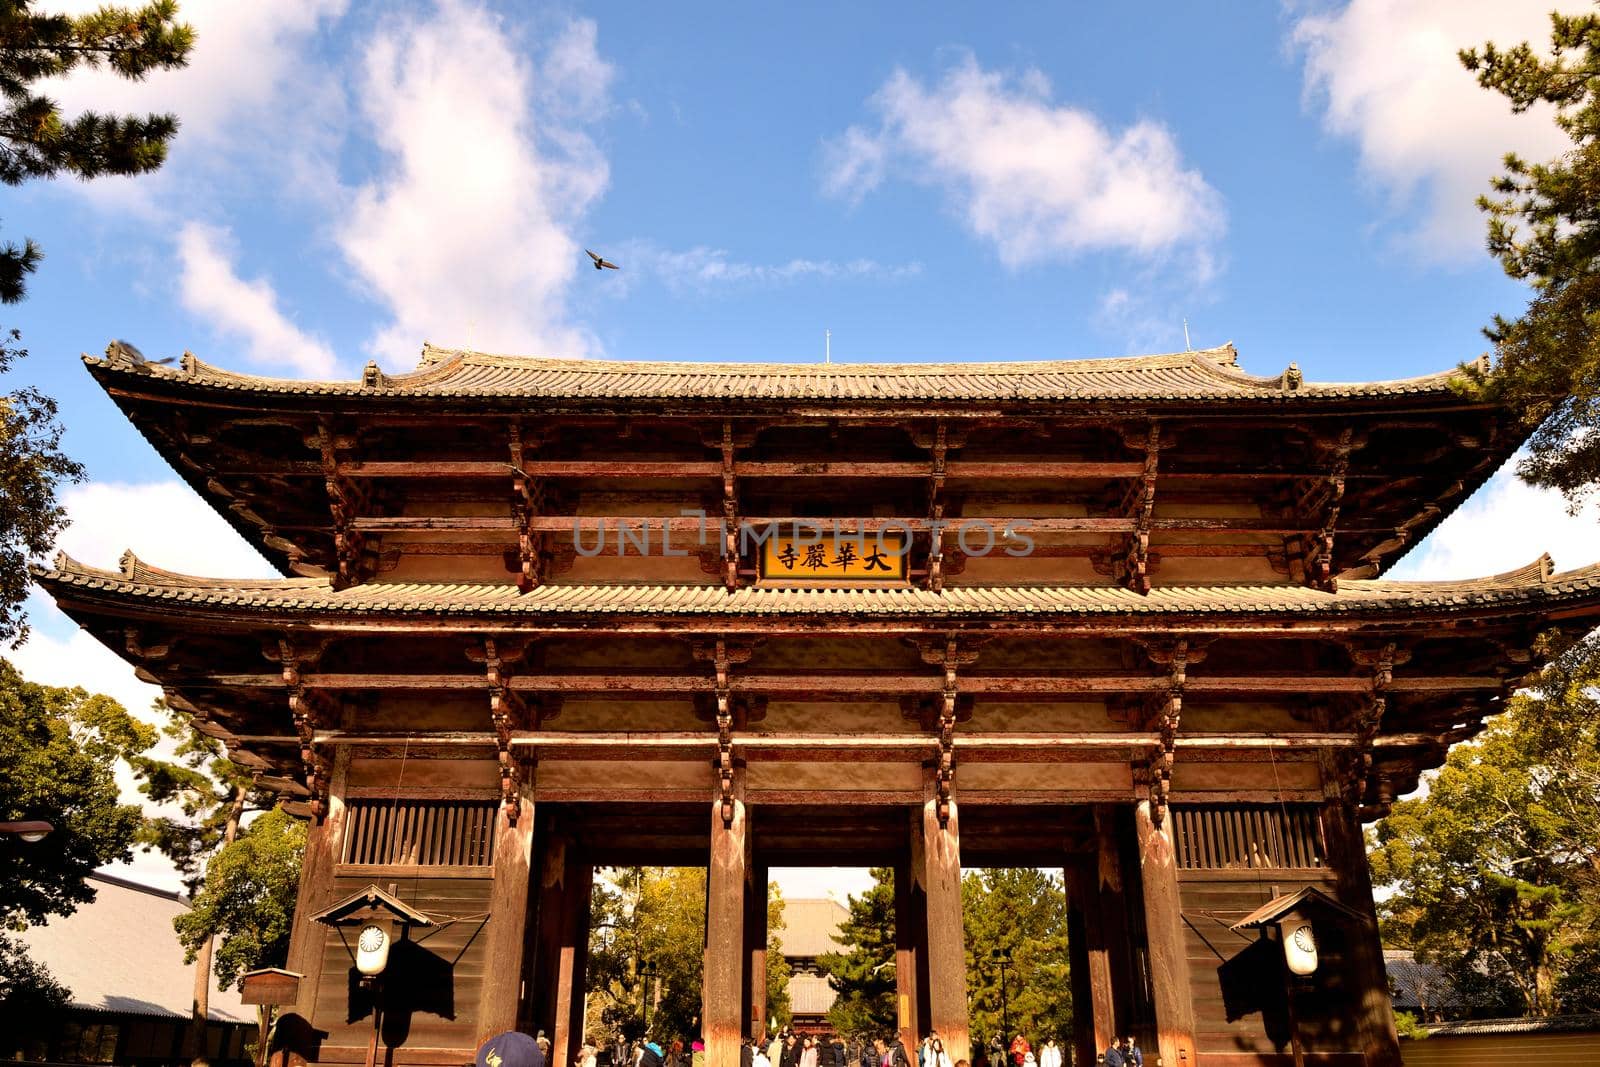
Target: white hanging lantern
372 950
1299 946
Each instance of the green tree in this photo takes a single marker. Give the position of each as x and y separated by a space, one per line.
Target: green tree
37 141
246 907
1544 229
32 1002
863 975
1493 873
654 916
779 1010
59 750
1022 913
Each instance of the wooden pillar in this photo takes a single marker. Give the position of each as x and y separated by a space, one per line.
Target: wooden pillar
571 978
1347 855
722 993
1164 930
755 950
564 885
910 944
1088 944
308 941
499 1004
936 859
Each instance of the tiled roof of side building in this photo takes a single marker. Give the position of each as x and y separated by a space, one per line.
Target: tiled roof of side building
121 954
1532 585
1209 374
811 926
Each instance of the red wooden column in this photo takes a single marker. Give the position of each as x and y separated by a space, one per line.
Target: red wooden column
936 861
910 944
755 950
500 1002
562 942
1095 1023
308 941
1347 855
571 974
1163 919
722 992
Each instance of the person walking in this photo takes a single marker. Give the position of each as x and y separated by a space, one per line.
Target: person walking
808 1052
1131 1056
1019 1049
1113 1056
1050 1054
937 1056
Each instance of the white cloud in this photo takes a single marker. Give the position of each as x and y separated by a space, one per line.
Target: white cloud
244 55
466 234
247 310
703 268
1505 525
1386 75
1038 180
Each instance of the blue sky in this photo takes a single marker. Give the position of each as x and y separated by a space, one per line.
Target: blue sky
926 181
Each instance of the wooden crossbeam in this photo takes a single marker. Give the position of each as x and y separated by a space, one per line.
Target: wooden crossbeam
590 524
886 684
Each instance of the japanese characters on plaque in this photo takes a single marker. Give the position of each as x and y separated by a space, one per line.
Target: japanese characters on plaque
794 556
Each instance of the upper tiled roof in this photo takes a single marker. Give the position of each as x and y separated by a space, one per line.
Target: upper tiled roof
1210 374
811 926
1533 584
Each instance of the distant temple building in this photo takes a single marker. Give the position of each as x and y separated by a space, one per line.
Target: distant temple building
132 994
1125 618
810 928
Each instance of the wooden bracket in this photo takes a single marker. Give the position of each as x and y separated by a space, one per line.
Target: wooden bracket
722 656
310 710
507 713
1369 717
1323 498
938 452
1166 716
527 503
1139 504
346 502
730 526
949 656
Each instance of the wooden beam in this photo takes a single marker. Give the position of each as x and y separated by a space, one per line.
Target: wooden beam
1164 932
1347 857
500 1002
936 861
308 941
828 682
722 1001
910 942
610 524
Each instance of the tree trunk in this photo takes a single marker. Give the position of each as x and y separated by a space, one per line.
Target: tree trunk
201 1007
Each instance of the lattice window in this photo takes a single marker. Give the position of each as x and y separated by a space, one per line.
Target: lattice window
1224 836
424 833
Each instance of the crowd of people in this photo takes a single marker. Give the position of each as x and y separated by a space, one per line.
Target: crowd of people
787 1048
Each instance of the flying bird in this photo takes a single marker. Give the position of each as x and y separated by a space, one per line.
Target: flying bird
600 263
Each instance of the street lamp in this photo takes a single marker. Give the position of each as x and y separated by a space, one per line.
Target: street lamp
30 830
647 971
1002 960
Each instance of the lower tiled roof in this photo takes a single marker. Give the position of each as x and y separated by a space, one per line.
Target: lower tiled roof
136 581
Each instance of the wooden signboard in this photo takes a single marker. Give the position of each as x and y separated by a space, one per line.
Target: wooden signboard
804 557
271 985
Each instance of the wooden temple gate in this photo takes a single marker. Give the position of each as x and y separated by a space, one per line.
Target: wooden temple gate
541 617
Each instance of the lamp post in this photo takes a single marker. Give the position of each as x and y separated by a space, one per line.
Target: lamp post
30 830
647 971
1002 960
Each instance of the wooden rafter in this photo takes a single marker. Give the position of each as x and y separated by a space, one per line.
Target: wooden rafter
1320 503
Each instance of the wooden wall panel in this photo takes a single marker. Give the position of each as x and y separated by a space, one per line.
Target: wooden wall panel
432 988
